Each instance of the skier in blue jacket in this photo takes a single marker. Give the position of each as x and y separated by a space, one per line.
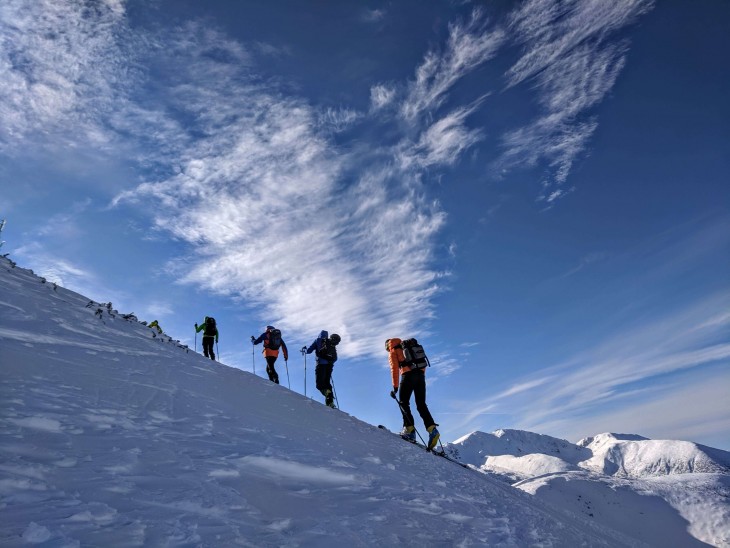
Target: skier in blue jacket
325 350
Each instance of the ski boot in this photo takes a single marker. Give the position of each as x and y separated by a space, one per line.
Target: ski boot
433 437
409 433
329 399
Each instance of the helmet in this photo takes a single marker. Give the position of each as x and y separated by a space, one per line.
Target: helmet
335 338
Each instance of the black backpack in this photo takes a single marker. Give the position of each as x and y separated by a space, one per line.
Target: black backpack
415 356
327 350
274 339
210 329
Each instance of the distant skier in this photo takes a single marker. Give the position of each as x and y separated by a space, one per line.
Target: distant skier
412 376
272 343
154 324
325 350
210 334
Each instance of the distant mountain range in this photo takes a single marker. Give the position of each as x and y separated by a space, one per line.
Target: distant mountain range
610 477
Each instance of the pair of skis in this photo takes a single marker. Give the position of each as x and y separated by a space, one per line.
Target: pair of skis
439 453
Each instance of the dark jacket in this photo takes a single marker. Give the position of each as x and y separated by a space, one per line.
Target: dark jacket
270 351
316 347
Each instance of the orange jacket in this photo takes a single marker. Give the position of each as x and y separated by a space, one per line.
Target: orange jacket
396 357
270 351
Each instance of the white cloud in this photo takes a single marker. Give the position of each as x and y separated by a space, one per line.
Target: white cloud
469 45
441 143
568 54
338 119
373 16
381 96
50 79
58 270
273 215
64 225
157 309
245 175
583 388
441 140
693 410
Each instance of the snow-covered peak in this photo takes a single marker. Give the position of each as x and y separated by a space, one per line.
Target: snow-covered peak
624 456
609 437
476 447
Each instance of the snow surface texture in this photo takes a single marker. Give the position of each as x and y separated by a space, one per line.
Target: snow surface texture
661 492
112 435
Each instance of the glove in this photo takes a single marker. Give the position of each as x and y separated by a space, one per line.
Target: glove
394 392
196 326
216 338
253 338
304 349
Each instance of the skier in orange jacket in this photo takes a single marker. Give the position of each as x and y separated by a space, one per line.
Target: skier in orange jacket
411 380
272 342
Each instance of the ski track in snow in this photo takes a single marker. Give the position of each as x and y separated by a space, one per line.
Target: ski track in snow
112 437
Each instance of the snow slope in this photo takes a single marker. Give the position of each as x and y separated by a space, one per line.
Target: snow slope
111 437
662 492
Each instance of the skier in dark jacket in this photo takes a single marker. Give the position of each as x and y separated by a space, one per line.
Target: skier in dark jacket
210 334
326 353
272 342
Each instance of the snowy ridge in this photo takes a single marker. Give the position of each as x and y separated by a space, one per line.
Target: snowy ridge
619 455
677 487
113 436
476 447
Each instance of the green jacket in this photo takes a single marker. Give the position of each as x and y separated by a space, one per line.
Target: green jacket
201 327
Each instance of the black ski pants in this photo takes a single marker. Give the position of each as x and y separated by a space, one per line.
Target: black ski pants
414 382
208 347
323 376
270 370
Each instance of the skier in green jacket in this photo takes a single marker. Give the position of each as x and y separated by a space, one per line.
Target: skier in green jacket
210 333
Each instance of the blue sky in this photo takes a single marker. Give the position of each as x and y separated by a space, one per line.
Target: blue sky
536 190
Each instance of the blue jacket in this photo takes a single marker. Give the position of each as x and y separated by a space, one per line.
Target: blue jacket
316 345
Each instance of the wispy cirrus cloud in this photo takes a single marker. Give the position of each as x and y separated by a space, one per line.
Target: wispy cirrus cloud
635 367
338 119
694 409
278 216
469 45
373 16
435 139
274 214
381 96
569 54
51 80
441 143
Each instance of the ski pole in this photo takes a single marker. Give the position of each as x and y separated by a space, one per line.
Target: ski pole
286 364
403 412
196 341
334 392
253 358
217 352
304 353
